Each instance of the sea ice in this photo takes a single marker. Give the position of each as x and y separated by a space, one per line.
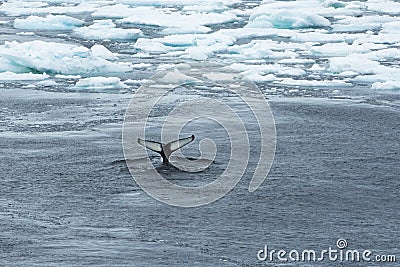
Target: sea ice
388 85
313 83
102 52
106 30
51 57
100 83
389 7
391 27
179 20
11 76
355 62
177 2
361 23
257 77
287 19
177 77
340 49
17 8
50 22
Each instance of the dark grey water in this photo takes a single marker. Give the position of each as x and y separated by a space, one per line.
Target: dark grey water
67 198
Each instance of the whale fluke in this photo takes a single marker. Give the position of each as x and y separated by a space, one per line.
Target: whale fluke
165 150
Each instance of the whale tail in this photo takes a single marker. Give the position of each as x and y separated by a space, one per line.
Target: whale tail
166 150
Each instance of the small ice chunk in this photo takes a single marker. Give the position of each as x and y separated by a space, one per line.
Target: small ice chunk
11 76
25 33
325 36
141 65
177 2
48 83
340 49
131 81
313 83
61 76
291 72
50 22
296 61
389 7
360 23
257 77
316 67
17 8
348 73
176 77
354 62
287 19
100 83
220 76
388 85
106 29
391 27
184 30
102 52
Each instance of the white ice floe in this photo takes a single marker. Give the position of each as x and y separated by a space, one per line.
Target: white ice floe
51 57
186 29
106 29
286 71
50 22
176 2
380 38
100 83
62 76
342 49
322 8
177 77
323 36
198 47
388 85
313 83
348 73
25 33
47 83
391 27
296 61
134 82
367 63
256 77
102 52
287 19
141 65
11 76
178 20
317 67
119 11
388 7
361 23
355 62
19 7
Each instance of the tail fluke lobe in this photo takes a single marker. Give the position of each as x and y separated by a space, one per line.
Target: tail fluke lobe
175 145
154 146
166 150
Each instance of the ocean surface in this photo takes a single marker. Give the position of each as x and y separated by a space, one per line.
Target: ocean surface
331 78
